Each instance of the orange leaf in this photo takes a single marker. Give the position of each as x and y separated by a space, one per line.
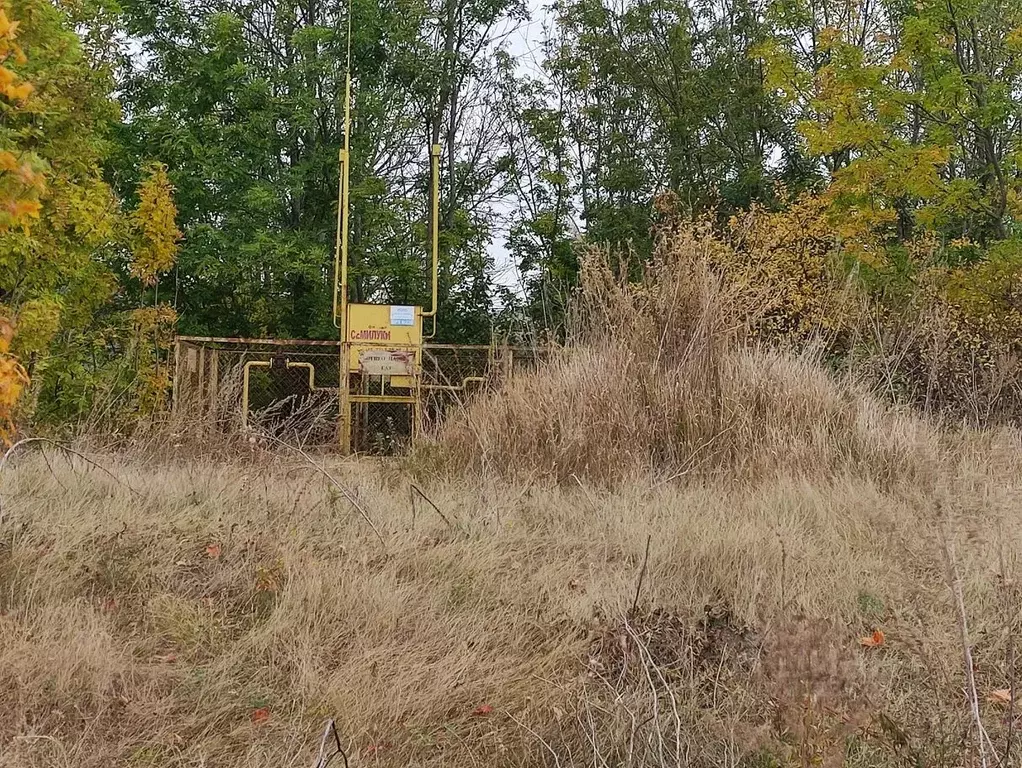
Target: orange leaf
265 583
1000 696
18 92
24 208
482 710
874 640
213 551
8 28
27 175
6 335
260 715
170 658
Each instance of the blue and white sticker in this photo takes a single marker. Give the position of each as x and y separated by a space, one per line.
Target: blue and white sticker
400 315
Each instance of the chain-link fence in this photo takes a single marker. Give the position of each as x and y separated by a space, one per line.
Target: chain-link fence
290 388
451 373
284 388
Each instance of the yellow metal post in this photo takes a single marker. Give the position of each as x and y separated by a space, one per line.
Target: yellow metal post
344 403
341 241
310 368
246 381
244 386
434 167
342 310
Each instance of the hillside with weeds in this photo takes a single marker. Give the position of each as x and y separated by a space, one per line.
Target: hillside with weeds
216 614
695 363
758 508
193 614
670 544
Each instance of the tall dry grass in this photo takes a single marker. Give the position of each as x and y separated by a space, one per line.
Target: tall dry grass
660 379
214 614
147 618
664 547
210 424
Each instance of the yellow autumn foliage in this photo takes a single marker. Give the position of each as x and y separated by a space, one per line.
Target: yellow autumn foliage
156 323
153 330
791 258
973 316
942 334
785 264
13 379
21 183
38 322
21 172
156 232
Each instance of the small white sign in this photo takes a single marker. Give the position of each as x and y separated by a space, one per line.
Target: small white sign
402 315
387 362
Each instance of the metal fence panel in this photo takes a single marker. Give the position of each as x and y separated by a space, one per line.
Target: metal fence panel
289 388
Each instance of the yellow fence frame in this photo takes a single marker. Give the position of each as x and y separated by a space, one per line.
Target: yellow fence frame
267 364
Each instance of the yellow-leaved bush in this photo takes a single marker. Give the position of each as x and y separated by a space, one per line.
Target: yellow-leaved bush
156 234
785 263
21 171
970 323
153 330
154 251
13 379
944 333
21 183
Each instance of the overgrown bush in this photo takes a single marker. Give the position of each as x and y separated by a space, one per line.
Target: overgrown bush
670 375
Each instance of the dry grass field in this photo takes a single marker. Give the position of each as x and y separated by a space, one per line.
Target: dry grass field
669 546
194 614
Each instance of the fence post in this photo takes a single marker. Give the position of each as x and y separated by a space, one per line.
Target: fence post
177 375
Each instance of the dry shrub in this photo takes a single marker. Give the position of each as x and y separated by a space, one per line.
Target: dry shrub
787 263
940 333
793 696
663 379
944 360
209 424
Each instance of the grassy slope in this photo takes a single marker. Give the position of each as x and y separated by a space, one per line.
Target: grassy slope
125 641
215 613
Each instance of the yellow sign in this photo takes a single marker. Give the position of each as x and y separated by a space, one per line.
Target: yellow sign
372 328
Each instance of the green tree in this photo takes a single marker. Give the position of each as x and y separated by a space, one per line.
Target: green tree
245 106
913 112
636 100
541 237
